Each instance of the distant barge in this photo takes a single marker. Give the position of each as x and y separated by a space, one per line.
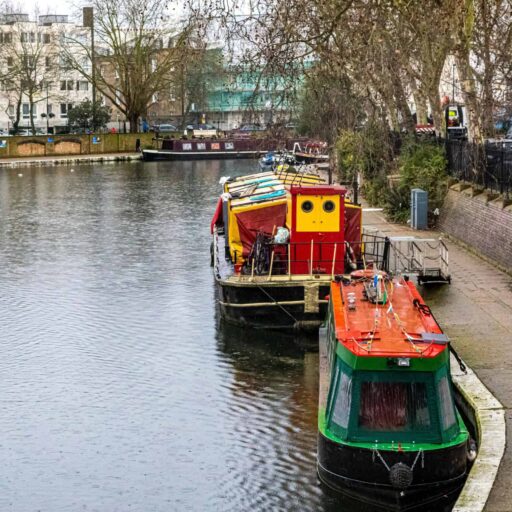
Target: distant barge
215 149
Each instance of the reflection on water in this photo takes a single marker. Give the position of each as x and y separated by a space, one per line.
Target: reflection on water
119 390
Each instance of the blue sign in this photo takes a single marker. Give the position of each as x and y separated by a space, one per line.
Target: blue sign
50 140
3 143
96 140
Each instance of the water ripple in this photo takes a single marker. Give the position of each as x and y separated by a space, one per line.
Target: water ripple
119 390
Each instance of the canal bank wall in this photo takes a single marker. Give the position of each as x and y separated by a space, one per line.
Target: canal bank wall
479 220
64 145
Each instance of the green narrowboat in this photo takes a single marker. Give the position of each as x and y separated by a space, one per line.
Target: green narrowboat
389 431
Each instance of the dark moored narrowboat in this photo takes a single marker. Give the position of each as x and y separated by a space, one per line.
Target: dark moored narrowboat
278 239
215 148
389 431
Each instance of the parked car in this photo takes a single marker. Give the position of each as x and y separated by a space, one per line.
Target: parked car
202 126
250 127
166 128
202 131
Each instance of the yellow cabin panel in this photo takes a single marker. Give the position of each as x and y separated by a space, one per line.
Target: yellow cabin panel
318 213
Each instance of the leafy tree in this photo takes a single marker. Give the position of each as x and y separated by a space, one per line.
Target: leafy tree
89 116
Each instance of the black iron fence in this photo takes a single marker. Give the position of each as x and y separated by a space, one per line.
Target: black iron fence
488 166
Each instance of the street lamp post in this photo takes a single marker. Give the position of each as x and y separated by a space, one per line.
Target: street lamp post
47 113
88 21
453 82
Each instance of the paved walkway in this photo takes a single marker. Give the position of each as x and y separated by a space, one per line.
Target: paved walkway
67 159
476 313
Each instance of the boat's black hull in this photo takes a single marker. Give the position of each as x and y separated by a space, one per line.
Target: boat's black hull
254 305
438 475
206 155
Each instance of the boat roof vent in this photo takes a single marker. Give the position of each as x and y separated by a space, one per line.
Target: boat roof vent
432 337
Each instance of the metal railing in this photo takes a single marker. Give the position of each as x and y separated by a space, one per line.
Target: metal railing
488 166
323 258
395 255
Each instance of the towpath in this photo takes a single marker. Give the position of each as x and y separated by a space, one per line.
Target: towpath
476 312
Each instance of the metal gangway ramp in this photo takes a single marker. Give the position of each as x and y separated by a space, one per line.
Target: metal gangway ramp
425 257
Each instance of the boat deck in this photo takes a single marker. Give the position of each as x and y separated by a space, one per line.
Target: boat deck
401 326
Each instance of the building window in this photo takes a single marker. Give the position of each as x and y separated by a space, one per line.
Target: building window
49 108
48 62
66 85
28 37
25 110
46 38
10 62
154 97
82 85
63 62
7 37
28 61
65 108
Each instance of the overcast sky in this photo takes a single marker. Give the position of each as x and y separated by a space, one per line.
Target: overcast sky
52 6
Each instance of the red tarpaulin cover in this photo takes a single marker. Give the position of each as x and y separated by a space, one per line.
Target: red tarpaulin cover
262 219
217 216
353 228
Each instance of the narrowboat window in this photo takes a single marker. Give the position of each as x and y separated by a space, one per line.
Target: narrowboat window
341 411
445 398
329 206
394 406
307 206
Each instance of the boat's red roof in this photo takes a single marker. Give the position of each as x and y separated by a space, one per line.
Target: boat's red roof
393 329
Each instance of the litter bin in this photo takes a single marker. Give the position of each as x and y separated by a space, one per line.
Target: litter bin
419 209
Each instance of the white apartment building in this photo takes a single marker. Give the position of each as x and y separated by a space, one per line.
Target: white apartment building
34 76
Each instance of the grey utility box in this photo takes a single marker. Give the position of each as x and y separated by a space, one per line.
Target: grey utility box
419 209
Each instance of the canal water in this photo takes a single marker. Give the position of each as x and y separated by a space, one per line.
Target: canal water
119 390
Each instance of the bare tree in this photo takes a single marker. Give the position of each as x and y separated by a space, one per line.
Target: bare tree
136 52
390 51
25 51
